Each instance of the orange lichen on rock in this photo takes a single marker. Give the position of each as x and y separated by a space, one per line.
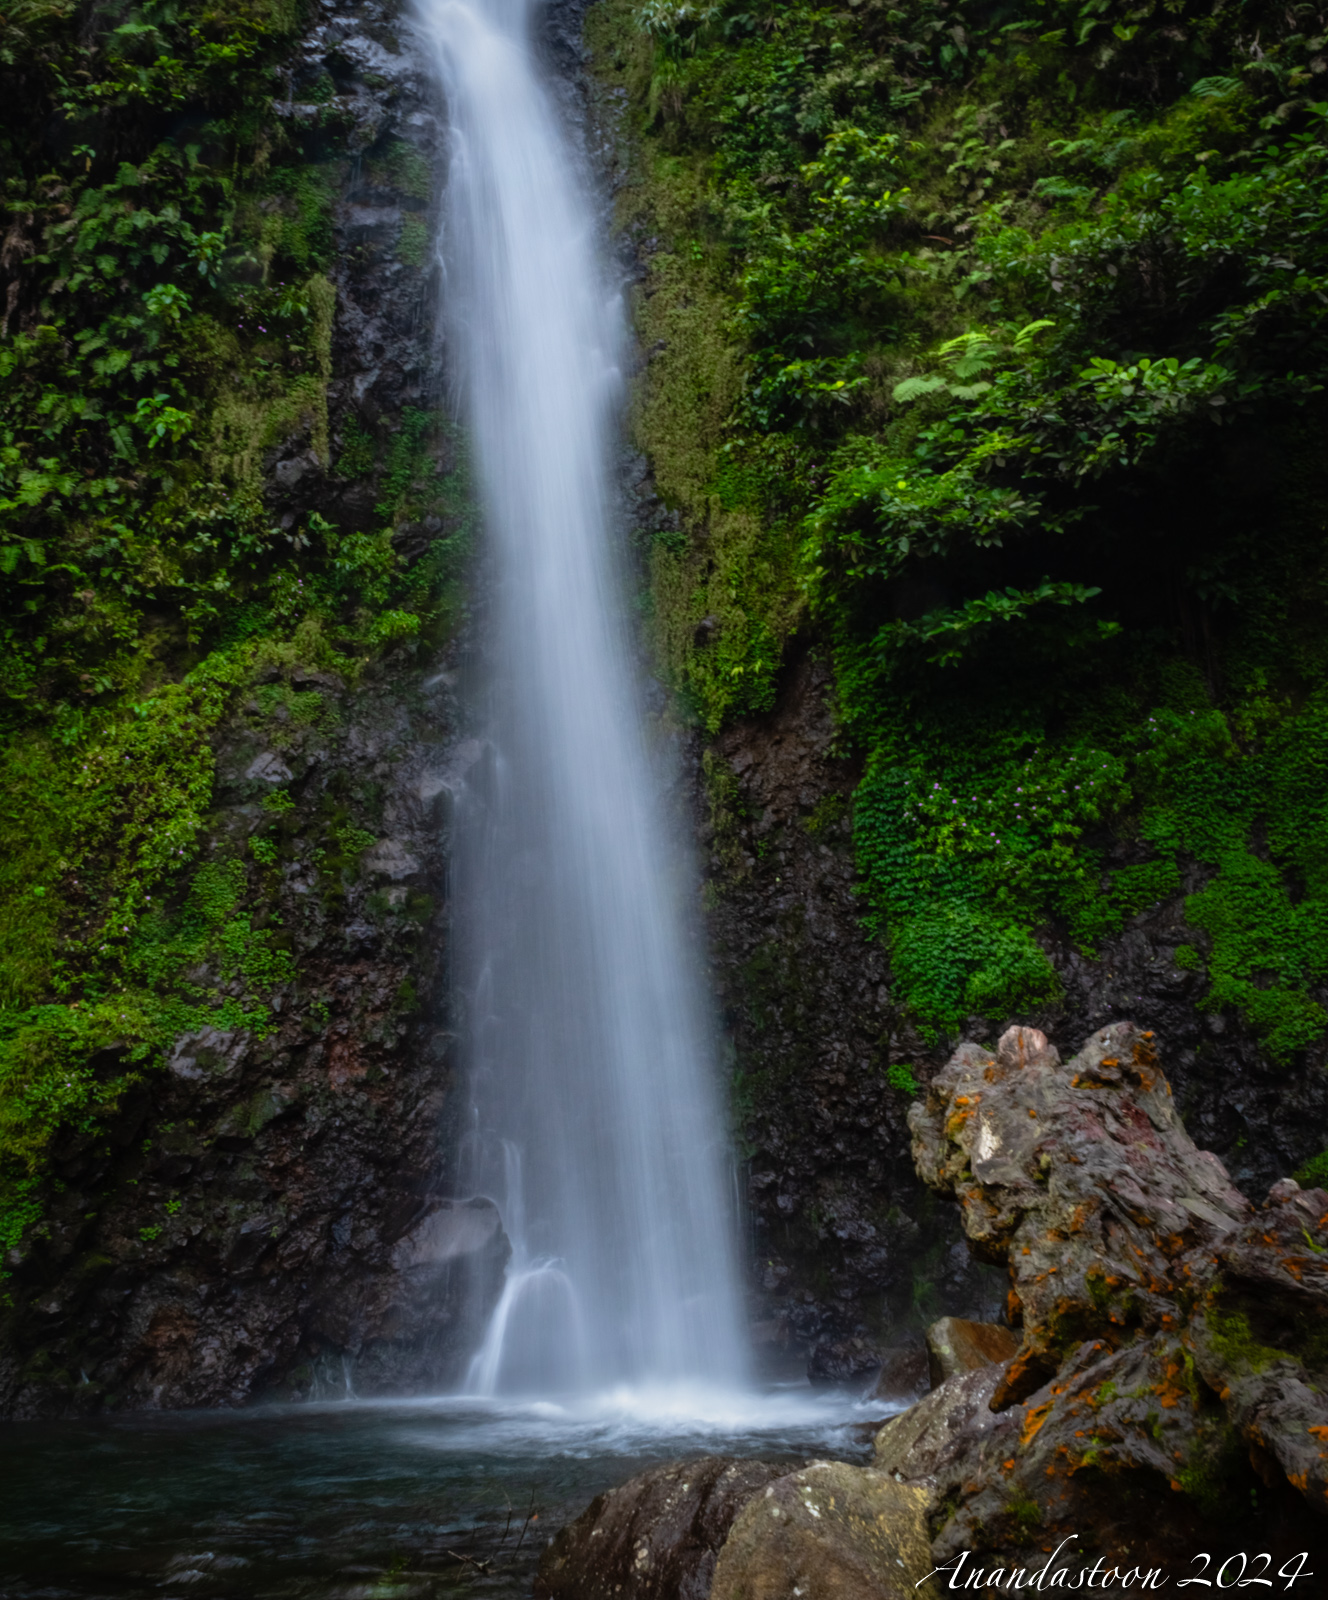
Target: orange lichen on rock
1033 1421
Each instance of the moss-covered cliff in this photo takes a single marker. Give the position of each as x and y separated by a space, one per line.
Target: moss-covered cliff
233 519
983 365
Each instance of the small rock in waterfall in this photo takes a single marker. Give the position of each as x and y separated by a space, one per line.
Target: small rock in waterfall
904 1375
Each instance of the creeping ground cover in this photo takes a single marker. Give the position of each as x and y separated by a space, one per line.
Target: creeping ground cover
987 356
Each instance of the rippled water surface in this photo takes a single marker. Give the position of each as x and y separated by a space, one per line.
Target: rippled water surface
352 1501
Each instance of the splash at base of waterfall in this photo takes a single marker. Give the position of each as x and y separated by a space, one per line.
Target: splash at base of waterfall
535 1343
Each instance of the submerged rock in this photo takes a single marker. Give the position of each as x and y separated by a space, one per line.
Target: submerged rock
658 1536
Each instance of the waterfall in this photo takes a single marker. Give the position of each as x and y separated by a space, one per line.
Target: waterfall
597 1125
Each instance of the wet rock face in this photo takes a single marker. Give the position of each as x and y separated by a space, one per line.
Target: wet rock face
386 116
657 1537
271 1216
844 1231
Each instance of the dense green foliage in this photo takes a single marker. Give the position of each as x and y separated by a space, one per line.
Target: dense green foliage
167 329
1023 386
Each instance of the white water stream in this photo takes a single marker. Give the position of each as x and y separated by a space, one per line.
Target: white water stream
597 1125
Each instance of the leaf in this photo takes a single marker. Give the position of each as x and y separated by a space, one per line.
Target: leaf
915 388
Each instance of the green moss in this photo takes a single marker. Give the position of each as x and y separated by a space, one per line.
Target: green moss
358 452
414 244
1235 1341
900 1076
902 394
1314 1173
727 811
1026 1515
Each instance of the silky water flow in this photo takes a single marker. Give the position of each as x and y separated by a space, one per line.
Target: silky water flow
596 1122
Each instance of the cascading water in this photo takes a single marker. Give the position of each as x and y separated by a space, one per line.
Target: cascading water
596 1122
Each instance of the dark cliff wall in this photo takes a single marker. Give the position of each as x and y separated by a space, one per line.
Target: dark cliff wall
227 1101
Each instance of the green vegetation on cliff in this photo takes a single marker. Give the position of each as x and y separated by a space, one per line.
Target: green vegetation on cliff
987 348
167 335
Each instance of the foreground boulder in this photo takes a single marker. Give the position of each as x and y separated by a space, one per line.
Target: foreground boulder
1171 1387
658 1536
1081 1179
829 1532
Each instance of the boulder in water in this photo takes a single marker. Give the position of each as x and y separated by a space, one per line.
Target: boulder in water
655 1538
829 1531
922 1441
904 1376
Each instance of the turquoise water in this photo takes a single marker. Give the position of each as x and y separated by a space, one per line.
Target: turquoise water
348 1501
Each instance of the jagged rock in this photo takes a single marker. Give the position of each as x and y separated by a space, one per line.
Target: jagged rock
655 1538
1165 1328
955 1345
830 1531
1081 1179
904 1375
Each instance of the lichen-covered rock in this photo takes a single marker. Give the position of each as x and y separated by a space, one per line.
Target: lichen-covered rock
956 1345
1174 1343
658 1536
1260 1337
1082 1179
830 1531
